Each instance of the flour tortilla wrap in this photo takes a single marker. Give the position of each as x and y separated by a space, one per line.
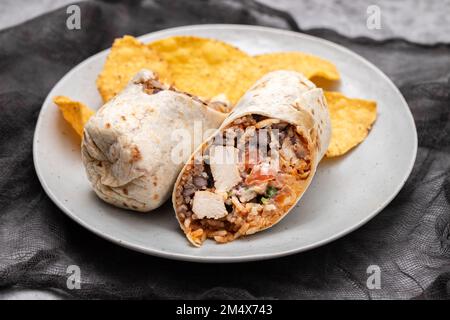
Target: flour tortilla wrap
241 197
127 145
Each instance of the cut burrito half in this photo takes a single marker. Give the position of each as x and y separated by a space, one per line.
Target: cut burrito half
128 146
254 169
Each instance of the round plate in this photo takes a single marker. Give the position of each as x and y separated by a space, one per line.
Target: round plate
345 193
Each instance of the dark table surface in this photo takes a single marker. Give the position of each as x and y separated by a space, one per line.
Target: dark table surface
424 270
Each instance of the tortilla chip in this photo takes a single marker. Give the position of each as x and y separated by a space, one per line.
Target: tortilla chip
311 66
207 67
201 66
127 57
210 68
74 112
351 120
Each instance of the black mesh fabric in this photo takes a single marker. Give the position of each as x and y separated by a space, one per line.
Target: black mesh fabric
409 240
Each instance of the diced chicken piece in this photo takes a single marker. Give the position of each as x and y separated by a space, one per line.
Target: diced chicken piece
224 167
287 150
246 194
266 123
208 205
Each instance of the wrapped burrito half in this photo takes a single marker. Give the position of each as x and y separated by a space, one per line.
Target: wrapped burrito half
128 145
255 168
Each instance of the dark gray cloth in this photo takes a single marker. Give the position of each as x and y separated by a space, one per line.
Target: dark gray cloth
409 240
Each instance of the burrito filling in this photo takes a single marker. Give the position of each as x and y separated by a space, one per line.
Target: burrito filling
244 180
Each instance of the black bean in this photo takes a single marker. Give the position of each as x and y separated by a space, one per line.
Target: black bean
200 182
210 178
188 191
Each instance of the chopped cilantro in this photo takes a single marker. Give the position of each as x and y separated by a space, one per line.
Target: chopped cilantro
271 192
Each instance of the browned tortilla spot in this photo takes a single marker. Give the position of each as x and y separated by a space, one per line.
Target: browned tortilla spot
135 154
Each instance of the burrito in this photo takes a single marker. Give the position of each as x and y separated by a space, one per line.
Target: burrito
249 174
128 145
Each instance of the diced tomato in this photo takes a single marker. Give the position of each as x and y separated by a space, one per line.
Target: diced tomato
261 173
